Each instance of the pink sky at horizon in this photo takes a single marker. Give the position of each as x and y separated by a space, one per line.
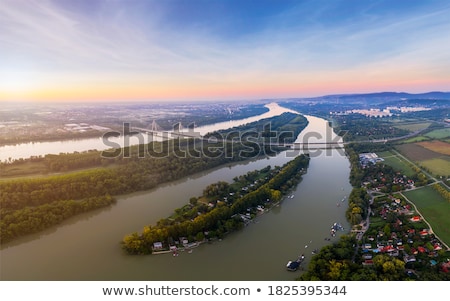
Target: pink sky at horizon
59 51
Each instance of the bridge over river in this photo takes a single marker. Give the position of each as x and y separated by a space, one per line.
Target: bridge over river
190 133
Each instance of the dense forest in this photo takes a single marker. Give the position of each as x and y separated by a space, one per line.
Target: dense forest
203 219
130 169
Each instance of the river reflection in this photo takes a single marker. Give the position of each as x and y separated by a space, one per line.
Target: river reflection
88 247
26 150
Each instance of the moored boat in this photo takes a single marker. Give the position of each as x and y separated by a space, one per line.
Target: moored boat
293 265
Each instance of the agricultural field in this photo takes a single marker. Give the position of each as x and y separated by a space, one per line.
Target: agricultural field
397 163
434 208
417 139
437 166
417 153
439 134
413 127
437 146
432 155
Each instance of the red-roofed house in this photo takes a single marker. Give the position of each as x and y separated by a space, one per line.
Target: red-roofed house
415 218
424 232
446 267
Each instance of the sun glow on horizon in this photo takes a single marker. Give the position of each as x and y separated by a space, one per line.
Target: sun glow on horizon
156 51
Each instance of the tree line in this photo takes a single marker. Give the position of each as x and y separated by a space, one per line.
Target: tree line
224 217
442 191
133 170
27 220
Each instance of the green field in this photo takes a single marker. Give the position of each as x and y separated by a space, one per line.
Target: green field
412 127
434 208
439 134
22 169
397 163
437 166
416 139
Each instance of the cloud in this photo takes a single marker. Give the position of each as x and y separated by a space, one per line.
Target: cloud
140 42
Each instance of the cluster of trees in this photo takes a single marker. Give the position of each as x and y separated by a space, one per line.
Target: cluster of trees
339 262
388 180
359 127
27 220
133 169
380 170
358 204
223 218
353 150
334 263
342 260
442 191
282 129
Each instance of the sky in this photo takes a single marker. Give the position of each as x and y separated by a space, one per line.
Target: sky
164 50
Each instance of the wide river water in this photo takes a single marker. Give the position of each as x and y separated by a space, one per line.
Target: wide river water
26 150
87 247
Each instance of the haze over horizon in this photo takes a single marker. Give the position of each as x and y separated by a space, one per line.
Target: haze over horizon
176 50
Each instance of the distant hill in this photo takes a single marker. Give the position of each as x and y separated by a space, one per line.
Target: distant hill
390 96
428 95
385 98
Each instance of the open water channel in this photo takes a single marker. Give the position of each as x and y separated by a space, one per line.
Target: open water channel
87 247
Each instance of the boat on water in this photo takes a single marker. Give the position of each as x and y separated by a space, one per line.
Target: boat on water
293 265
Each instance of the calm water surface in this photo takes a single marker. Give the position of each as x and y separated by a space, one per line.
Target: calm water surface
26 150
87 247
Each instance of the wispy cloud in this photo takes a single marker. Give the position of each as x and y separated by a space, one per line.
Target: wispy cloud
126 41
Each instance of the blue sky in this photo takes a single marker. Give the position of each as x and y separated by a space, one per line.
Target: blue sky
197 49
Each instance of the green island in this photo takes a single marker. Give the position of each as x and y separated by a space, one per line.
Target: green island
57 187
223 208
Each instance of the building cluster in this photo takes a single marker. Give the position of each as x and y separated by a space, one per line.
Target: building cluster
387 112
405 237
369 158
83 127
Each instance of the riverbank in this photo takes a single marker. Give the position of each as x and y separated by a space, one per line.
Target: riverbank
91 239
224 208
136 168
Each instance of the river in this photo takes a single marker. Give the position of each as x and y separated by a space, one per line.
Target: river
87 247
26 150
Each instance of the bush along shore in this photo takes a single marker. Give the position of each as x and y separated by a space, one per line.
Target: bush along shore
223 208
32 204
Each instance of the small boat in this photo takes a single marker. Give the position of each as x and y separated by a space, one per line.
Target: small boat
293 265
315 251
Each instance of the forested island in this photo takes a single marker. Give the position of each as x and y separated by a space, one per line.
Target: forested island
223 208
28 205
